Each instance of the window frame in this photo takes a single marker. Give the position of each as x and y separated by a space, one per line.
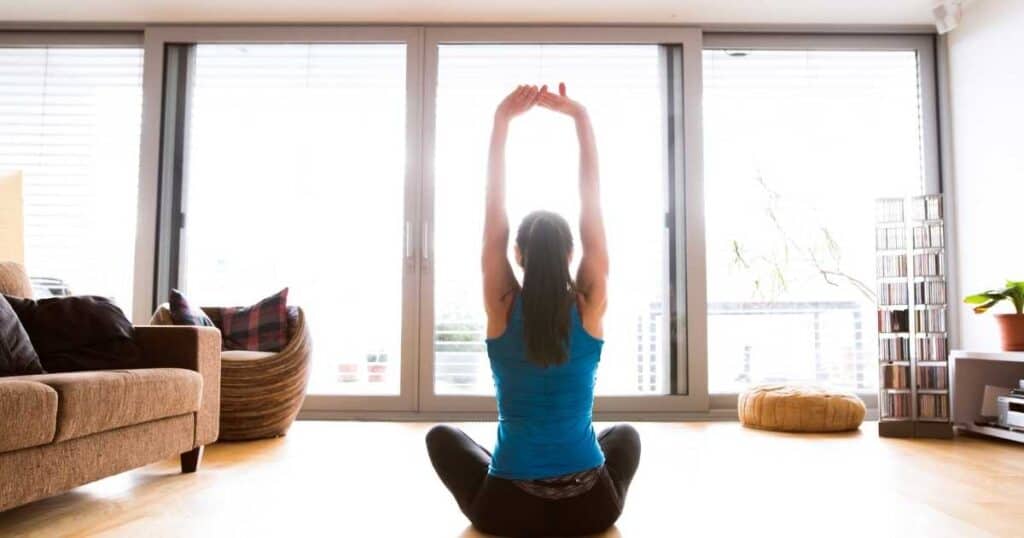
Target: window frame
151 247
688 331
924 45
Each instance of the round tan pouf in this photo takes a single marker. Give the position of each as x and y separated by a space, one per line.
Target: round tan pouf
788 408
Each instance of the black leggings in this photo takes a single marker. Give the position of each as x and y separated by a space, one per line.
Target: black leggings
498 506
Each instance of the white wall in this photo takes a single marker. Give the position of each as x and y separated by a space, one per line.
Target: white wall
986 82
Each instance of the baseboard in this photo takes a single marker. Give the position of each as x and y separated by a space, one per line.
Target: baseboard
713 415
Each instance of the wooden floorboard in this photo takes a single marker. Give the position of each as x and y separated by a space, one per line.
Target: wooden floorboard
356 479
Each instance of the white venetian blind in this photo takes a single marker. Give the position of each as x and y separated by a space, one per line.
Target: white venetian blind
70 121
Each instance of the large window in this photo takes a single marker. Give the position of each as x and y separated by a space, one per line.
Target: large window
622 87
798 145
69 122
295 176
738 176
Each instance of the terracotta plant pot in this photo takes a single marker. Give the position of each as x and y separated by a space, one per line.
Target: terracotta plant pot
1011 327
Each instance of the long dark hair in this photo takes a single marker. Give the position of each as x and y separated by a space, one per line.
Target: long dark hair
545 243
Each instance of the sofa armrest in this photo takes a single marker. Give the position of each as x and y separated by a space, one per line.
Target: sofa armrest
191 348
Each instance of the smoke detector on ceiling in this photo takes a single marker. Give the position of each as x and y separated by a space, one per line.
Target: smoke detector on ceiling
947 15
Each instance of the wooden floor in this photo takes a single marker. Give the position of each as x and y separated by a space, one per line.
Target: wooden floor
356 479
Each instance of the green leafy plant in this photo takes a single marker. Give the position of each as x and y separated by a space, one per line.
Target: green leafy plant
1014 291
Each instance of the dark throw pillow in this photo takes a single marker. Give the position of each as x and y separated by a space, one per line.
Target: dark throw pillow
17 356
182 312
78 333
260 327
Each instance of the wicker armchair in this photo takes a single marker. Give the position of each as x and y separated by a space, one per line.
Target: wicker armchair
260 393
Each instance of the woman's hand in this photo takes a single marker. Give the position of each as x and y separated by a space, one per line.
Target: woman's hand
519 101
560 102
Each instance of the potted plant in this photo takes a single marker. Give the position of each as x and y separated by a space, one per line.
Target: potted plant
1011 326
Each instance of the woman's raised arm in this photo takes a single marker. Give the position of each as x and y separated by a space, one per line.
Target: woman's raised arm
593 272
499 279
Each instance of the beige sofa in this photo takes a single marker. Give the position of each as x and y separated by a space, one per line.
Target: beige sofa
59 431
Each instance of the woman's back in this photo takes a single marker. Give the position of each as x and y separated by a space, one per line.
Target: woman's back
544 413
549 474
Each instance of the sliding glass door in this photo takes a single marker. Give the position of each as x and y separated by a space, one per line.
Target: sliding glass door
305 162
628 87
294 178
801 136
295 174
627 110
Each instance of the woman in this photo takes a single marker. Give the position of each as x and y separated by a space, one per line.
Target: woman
550 474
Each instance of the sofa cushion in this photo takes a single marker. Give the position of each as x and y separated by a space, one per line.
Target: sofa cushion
182 313
79 333
17 356
91 402
28 414
260 327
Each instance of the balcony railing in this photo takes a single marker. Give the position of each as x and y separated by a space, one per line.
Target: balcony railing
815 341
820 341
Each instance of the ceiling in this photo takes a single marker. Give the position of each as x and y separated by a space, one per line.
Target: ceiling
737 12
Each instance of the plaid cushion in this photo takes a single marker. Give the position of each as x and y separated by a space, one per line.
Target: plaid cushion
260 327
183 314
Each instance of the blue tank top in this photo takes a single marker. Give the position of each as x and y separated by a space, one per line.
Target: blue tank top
544 414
